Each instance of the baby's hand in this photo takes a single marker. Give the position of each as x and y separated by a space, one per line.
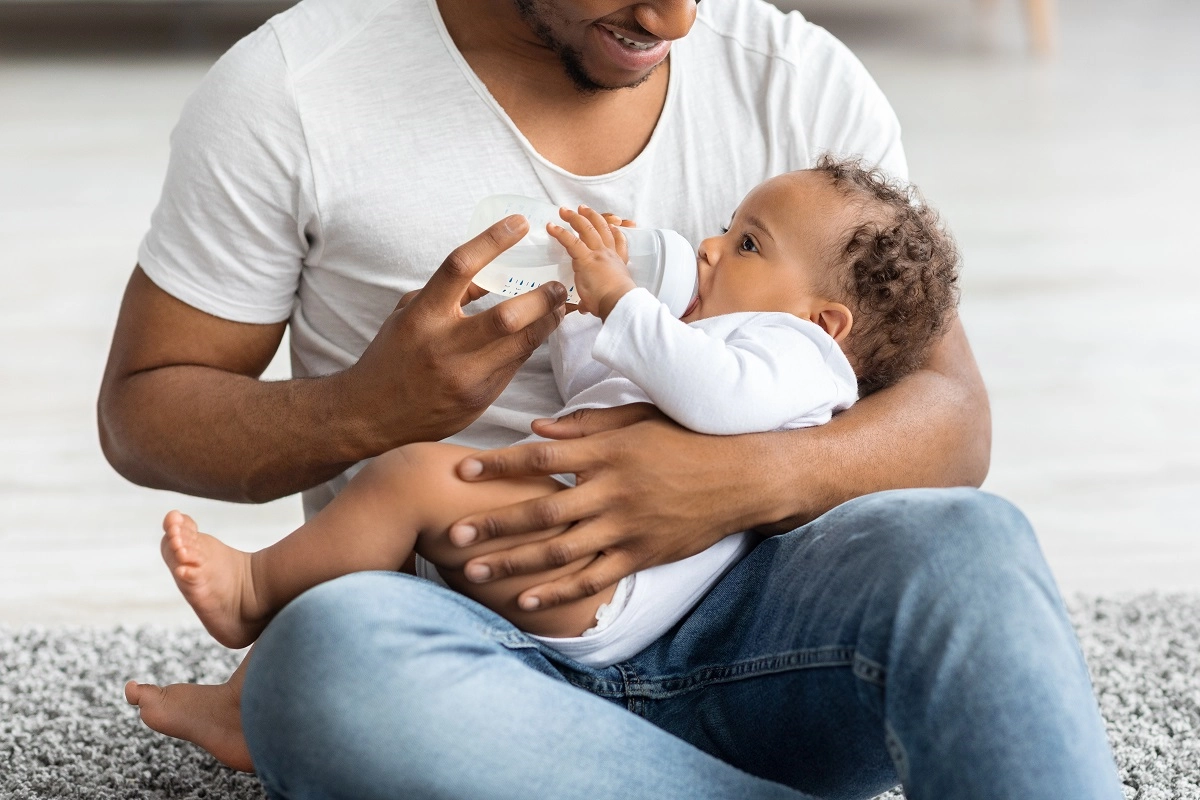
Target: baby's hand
598 254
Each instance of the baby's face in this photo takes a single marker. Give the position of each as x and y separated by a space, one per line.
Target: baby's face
771 256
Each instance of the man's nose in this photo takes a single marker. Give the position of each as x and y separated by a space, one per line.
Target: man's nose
666 19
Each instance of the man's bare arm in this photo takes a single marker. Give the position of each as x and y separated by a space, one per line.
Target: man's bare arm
181 406
651 492
934 428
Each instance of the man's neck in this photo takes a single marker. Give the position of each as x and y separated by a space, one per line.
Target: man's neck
494 32
584 132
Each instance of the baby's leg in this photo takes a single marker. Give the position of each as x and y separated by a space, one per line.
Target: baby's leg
372 524
210 716
444 499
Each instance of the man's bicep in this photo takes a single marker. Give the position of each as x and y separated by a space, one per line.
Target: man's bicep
156 330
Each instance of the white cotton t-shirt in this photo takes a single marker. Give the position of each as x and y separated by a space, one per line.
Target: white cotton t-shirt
331 160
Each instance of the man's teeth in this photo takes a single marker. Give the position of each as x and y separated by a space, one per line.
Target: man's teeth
631 42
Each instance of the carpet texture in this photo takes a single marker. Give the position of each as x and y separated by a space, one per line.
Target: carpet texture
65 731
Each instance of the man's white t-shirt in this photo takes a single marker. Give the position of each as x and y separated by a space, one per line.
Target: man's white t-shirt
331 160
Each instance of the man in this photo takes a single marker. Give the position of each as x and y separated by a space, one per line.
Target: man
328 161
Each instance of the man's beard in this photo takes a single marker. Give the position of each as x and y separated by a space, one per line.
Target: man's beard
535 16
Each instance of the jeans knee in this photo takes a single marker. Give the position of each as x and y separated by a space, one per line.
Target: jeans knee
948 539
346 660
310 670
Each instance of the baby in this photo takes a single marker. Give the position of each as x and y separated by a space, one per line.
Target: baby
829 283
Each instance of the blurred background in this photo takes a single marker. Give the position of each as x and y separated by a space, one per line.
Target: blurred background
1058 138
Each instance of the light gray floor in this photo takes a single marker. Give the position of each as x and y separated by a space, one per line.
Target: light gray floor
1071 185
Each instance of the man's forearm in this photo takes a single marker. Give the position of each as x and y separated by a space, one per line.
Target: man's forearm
211 433
931 429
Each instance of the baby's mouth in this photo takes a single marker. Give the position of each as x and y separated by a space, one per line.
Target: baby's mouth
691 306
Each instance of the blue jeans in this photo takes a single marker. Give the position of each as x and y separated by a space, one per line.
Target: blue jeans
911 637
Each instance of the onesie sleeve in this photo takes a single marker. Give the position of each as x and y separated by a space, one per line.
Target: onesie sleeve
237 217
766 372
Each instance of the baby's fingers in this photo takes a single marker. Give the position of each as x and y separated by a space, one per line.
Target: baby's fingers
620 244
599 223
574 247
613 219
584 227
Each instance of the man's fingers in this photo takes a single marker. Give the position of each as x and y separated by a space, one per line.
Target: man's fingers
524 559
587 421
407 298
579 544
525 460
597 576
538 514
453 278
516 314
621 223
472 294
519 346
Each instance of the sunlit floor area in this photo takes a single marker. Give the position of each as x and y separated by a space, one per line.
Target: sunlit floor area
1068 180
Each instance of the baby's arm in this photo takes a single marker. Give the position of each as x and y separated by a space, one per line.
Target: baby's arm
766 372
774 370
599 255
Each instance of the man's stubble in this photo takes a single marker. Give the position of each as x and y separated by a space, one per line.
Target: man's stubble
537 14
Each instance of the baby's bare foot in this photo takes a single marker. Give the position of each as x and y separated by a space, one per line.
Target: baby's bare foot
215 579
209 716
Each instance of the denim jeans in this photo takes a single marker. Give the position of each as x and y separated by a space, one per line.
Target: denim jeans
911 637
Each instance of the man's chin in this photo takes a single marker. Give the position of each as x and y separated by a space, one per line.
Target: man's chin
606 79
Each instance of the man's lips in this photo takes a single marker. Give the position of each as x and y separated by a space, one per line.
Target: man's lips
638 41
630 51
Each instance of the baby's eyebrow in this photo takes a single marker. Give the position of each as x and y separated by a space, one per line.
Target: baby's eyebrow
758 223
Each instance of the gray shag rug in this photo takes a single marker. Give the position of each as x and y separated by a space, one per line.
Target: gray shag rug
66 732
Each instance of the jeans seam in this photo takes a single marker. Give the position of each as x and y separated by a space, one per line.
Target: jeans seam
870 671
896 750
629 678
837 656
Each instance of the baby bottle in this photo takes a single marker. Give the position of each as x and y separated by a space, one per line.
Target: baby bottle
659 260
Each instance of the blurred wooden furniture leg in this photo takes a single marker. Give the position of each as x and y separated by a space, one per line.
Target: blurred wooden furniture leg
1041 15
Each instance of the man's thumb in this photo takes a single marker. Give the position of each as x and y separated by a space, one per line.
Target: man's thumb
453 278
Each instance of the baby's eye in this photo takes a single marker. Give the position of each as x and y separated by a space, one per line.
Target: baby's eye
724 229
747 245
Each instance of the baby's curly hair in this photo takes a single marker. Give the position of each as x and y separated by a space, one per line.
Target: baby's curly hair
898 270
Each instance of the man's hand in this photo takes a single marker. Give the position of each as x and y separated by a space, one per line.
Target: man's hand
432 369
599 256
644 498
651 492
182 408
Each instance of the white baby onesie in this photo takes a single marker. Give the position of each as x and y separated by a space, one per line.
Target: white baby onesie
736 373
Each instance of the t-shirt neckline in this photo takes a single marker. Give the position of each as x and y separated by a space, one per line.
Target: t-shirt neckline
481 89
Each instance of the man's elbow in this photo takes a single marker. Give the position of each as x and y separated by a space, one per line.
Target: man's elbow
117 443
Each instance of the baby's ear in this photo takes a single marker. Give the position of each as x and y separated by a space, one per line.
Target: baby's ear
835 319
